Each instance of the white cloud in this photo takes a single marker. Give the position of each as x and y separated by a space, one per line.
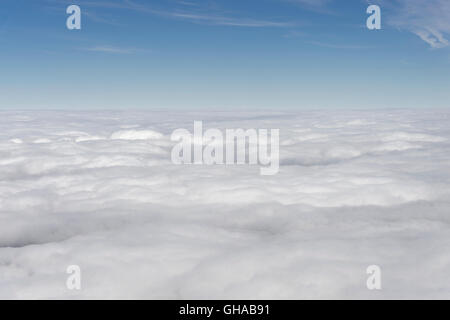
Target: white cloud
111 49
429 20
313 3
339 46
354 189
136 135
434 38
320 6
192 12
227 21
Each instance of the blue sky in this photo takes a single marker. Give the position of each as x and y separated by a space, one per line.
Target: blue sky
224 54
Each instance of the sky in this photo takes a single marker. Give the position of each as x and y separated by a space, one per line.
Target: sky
224 54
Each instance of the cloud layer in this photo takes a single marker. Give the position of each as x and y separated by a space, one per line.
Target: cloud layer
99 190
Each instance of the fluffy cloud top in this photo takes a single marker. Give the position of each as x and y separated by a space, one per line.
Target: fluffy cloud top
99 190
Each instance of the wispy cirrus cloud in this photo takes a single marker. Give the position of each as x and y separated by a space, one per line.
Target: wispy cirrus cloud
228 21
429 20
320 6
189 11
312 3
101 19
339 46
112 49
206 16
